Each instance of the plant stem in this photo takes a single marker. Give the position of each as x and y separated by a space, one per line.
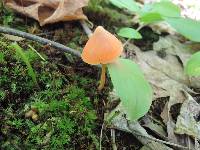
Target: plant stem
103 77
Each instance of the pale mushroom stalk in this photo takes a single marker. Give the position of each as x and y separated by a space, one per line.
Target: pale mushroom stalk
103 77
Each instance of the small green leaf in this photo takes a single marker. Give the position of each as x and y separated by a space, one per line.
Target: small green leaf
24 58
192 67
166 9
187 27
130 5
150 17
129 33
132 88
147 8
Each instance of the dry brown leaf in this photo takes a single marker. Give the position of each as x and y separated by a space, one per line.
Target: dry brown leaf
165 75
186 123
155 127
49 11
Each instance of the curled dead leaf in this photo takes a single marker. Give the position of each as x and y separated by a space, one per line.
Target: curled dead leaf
49 11
186 122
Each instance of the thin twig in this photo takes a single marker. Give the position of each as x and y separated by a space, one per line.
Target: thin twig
101 135
161 141
140 27
86 28
126 42
39 40
33 49
154 139
114 146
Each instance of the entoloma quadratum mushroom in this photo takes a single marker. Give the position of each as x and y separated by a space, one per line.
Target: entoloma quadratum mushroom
102 48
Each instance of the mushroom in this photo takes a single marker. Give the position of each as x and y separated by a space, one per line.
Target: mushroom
101 48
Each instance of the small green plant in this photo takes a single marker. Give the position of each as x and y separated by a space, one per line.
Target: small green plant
134 91
2 95
20 53
2 57
163 11
6 15
129 33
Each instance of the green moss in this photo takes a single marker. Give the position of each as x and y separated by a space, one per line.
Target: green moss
6 15
64 113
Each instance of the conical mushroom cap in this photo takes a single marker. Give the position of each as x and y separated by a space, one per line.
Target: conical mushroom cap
101 48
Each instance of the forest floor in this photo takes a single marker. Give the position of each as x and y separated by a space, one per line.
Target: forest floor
64 109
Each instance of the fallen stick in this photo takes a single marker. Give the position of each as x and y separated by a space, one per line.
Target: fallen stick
41 40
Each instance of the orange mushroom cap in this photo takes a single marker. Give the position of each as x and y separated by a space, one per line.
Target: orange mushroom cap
101 48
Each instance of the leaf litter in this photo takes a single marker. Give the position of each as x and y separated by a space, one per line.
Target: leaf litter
49 11
168 80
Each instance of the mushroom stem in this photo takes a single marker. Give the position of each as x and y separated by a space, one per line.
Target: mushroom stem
103 77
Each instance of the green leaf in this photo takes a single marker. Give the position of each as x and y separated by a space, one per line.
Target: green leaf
132 88
166 9
192 67
150 17
187 27
23 56
130 5
129 33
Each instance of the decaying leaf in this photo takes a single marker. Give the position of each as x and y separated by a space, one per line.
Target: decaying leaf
186 123
49 11
155 127
154 145
161 27
166 75
165 78
13 38
167 119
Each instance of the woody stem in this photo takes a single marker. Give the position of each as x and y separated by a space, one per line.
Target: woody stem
103 77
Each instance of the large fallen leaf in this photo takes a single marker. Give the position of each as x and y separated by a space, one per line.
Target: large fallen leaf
166 75
49 11
184 52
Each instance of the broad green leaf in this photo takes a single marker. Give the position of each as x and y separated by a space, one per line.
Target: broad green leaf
192 67
187 27
130 5
166 9
132 88
147 8
151 17
24 58
129 33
